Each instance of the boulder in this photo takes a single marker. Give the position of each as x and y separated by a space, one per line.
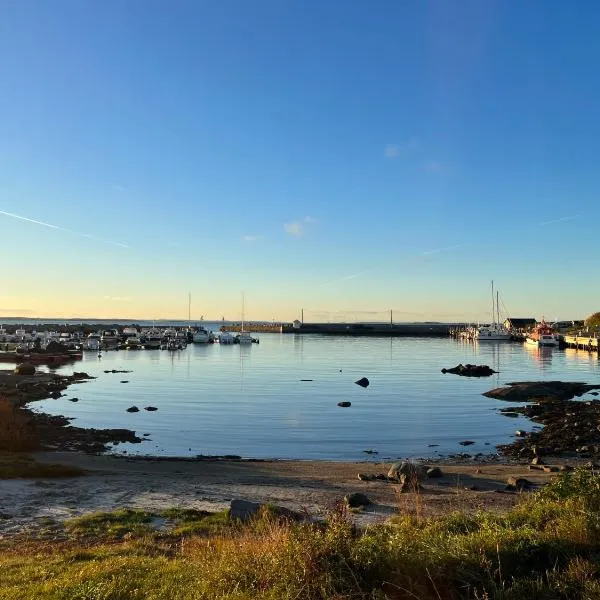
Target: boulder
243 510
25 369
344 404
356 500
466 443
133 409
470 370
150 408
403 468
363 382
365 477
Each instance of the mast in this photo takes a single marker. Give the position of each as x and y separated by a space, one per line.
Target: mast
242 331
498 307
189 308
493 308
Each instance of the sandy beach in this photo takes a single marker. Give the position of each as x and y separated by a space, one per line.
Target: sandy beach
311 487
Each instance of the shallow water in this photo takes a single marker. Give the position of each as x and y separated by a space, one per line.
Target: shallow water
251 401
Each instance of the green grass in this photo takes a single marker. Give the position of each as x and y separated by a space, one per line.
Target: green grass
546 548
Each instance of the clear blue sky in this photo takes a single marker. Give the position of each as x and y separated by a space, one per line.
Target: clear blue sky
338 156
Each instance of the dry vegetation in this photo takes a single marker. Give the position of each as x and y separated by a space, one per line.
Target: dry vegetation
545 548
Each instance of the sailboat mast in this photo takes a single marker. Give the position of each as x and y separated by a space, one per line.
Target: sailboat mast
189 308
242 312
493 308
498 307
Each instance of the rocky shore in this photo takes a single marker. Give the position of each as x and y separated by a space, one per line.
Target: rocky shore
570 428
22 429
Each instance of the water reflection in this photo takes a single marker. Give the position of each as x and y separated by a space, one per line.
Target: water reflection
541 355
574 355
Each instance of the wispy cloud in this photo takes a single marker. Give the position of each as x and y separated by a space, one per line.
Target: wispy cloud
58 228
559 220
251 238
405 148
298 228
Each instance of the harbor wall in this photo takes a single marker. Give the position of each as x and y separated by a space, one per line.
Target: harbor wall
373 329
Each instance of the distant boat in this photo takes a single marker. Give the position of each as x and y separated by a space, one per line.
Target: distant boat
243 337
495 331
543 335
201 336
226 338
153 341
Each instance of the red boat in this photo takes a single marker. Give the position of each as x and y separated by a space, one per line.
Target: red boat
543 335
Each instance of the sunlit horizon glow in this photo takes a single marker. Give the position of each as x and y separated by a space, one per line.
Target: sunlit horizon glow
403 159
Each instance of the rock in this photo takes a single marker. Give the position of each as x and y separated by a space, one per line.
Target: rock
81 375
344 404
565 468
470 370
363 382
403 468
432 445
125 381
381 477
518 483
244 510
521 433
25 369
133 409
369 451
409 484
356 500
536 460
549 390
434 472
466 443
150 408
548 469
73 399
365 477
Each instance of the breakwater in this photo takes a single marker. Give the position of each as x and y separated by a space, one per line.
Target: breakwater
372 329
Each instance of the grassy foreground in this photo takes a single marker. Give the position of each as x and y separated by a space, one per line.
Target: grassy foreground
545 548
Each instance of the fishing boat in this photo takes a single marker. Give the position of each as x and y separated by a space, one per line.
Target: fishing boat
543 335
494 332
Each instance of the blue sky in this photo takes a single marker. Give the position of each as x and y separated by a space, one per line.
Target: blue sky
342 156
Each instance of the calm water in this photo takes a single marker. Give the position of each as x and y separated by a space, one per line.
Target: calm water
251 400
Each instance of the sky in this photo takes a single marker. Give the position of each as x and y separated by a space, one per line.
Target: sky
342 157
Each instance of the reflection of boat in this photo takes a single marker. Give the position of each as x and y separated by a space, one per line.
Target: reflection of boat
543 335
542 355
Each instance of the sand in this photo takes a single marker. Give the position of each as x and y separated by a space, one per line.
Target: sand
312 487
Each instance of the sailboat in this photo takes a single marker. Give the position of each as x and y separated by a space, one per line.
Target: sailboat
494 332
244 337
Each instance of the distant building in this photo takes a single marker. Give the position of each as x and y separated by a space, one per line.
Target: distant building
518 323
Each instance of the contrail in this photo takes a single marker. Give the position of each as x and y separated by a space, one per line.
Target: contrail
50 226
558 220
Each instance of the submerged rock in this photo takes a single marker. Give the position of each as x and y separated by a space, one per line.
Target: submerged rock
151 408
363 382
133 409
470 370
344 404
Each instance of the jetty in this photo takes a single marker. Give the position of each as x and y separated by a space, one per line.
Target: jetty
372 329
582 342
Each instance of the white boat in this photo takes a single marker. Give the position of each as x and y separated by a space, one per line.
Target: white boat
133 343
109 339
92 342
543 335
153 341
226 338
201 336
495 332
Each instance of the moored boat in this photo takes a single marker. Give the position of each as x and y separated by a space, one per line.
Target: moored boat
543 335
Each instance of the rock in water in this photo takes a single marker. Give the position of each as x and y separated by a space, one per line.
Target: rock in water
344 404
133 409
25 369
470 370
356 500
363 382
150 408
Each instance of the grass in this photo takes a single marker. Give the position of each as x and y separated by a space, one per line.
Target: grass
546 548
